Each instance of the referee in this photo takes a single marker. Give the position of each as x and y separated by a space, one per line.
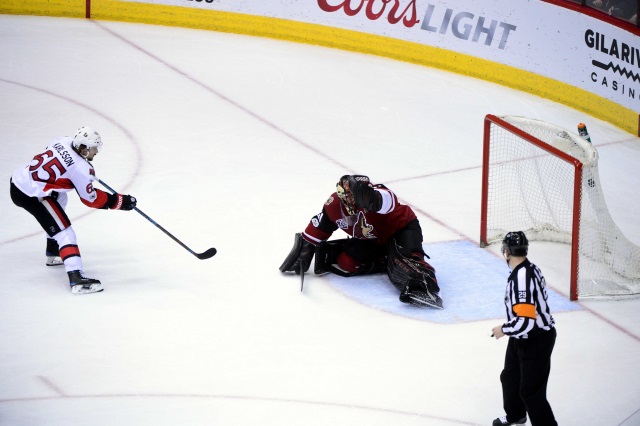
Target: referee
532 335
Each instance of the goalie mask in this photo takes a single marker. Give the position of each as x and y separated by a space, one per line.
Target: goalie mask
344 192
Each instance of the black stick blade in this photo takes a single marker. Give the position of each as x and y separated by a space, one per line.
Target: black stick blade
207 254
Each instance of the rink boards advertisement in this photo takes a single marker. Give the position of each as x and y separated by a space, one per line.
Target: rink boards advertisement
530 45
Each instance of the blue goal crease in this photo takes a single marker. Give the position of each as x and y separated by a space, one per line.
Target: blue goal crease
472 283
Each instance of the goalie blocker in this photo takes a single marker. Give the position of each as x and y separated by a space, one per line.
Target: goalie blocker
415 278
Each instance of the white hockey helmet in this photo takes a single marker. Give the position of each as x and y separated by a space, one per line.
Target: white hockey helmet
88 137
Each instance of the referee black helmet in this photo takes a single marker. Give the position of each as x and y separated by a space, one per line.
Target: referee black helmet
516 243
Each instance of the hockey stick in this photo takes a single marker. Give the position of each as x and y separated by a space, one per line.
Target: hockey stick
205 255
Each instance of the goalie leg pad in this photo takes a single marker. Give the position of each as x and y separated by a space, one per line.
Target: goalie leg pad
410 271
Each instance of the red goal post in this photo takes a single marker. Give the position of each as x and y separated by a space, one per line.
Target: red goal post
542 179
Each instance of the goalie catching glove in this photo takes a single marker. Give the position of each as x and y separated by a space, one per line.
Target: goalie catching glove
355 191
299 259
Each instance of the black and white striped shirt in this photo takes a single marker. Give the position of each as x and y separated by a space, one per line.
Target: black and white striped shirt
526 301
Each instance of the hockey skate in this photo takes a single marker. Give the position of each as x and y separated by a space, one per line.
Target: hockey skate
502 421
54 261
83 285
421 298
53 253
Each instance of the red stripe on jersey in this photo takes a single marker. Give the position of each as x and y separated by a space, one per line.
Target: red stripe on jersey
99 202
58 212
69 251
61 183
314 235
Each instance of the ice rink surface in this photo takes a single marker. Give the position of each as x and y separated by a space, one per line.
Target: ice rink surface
234 142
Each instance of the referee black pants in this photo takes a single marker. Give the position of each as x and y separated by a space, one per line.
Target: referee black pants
527 364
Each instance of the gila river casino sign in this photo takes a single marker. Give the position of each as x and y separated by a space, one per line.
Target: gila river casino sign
608 73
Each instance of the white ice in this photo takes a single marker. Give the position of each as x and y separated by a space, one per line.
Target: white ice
234 142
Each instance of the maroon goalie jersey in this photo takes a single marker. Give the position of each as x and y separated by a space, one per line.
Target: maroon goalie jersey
378 226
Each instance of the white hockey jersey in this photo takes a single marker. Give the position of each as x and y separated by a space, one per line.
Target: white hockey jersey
59 168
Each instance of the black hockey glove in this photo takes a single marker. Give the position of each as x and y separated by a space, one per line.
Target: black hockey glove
122 202
364 195
300 256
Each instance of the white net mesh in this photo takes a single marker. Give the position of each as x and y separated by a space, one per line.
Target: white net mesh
531 190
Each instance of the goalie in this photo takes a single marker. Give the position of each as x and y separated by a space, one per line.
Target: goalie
385 237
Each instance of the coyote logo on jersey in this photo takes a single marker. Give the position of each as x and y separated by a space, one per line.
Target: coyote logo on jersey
362 230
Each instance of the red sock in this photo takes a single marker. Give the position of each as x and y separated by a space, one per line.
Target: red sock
348 263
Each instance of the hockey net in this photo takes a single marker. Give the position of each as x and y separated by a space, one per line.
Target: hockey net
542 179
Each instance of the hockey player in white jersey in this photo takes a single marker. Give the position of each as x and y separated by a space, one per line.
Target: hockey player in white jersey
41 188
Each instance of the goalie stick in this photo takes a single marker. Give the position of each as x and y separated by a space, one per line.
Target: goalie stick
204 255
